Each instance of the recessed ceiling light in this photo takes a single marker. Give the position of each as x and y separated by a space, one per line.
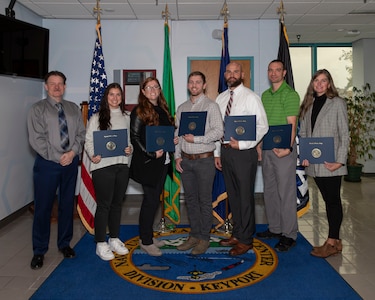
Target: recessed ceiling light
353 32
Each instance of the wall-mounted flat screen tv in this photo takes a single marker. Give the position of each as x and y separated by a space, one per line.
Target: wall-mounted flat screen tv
23 48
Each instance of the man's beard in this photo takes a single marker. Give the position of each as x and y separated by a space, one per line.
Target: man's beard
235 83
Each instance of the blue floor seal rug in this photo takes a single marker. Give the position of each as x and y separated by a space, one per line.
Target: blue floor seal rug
259 274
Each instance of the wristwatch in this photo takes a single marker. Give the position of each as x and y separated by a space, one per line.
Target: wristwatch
291 149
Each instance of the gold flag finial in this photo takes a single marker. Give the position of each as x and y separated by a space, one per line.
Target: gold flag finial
281 11
225 12
98 11
165 14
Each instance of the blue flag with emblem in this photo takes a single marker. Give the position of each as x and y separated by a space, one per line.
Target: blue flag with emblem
219 195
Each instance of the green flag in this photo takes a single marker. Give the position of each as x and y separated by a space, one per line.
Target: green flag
173 181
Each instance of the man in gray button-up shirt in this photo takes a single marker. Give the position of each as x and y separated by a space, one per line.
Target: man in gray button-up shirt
54 168
195 161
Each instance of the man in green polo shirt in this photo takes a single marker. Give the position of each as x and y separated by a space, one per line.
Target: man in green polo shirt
281 104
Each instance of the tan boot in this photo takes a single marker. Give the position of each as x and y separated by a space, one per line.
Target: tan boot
201 247
188 244
324 251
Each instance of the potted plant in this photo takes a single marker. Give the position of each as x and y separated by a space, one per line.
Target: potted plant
361 119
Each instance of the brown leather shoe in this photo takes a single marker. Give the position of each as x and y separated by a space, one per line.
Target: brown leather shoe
338 244
325 250
229 242
240 249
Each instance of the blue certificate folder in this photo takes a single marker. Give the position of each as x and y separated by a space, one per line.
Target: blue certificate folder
278 137
159 137
241 128
317 150
192 122
109 143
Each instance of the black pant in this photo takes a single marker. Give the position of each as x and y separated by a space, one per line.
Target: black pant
330 188
110 185
239 170
150 204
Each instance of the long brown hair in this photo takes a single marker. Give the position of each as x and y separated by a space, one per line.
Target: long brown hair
309 96
145 109
104 110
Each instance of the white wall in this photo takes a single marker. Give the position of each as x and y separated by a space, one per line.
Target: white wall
126 45
16 156
140 45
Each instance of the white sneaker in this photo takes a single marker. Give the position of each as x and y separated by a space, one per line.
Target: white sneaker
104 252
117 246
156 242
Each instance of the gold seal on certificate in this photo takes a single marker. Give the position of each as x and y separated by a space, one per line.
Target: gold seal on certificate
316 153
110 146
278 136
160 141
192 126
160 137
277 139
240 130
317 150
109 143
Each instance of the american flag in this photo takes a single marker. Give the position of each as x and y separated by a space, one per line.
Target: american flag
86 206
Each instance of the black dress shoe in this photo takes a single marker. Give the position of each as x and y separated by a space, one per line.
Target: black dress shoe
285 244
68 252
268 235
37 262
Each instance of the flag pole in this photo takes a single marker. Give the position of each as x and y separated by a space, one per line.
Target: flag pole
227 227
303 197
281 11
86 205
163 227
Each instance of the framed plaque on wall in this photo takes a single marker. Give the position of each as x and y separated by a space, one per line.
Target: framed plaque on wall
130 80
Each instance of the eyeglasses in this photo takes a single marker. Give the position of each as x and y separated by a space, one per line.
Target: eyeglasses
149 88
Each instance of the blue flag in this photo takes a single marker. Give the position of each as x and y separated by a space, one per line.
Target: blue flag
225 59
219 195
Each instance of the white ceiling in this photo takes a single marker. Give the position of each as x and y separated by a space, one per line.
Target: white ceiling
316 21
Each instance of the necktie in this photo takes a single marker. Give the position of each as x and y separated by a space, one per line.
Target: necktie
63 126
229 105
227 110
